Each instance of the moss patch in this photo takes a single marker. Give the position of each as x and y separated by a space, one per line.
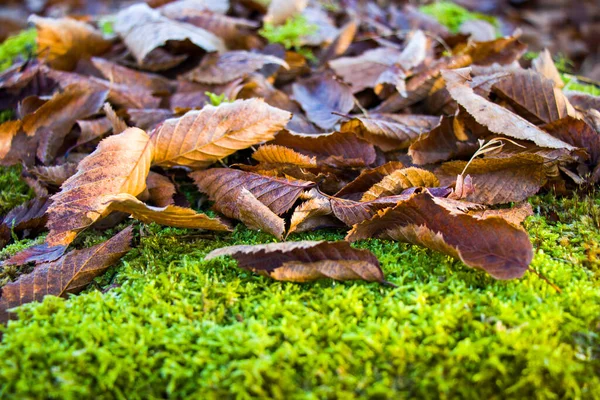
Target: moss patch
453 16
13 191
20 44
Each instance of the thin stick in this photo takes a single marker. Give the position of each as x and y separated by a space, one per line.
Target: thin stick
541 276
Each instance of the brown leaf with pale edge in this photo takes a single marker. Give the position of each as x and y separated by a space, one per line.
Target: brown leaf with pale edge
399 180
305 261
119 164
54 175
441 144
116 123
118 94
223 185
577 133
148 119
534 97
544 65
390 131
8 130
500 180
496 118
121 75
320 96
161 189
39 253
199 138
492 244
368 178
309 215
92 129
170 215
30 216
64 41
144 29
515 215
69 274
222 68
254 214
53 120
274 154
337 149
363 71
353 212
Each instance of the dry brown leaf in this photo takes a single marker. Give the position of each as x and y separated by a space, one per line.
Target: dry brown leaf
30 216
254 214
366 179
54 175
399 180
199 138
305 261
515 215
223 185
64 41
121 75
53 121
390 131
120 164
8 130
92 129
309 215
161 189
274 154
170 215
144 29
500 180
70 274
496 118
337 149
322 95
577 133
492 244
222 68
534 97
544 65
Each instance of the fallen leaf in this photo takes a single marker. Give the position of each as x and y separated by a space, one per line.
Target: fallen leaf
492 244
161 189
121 75
322 95
144 29
30 216
222 68
200 138
399 180
390 131
496 118
280 10
169 215
120 164
577 133
64 41
544 65
253 213
368 178
515 215
69 274
305 261
274 154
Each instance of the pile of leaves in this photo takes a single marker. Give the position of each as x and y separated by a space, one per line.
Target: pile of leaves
377 120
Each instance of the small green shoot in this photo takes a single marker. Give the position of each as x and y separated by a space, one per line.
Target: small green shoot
217 99
21 44
453 16
290 34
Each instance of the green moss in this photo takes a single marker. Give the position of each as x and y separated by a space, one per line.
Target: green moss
290 34
13 191
20 44
453 16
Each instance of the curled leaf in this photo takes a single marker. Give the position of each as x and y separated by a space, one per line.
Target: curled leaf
399 180
274 154
305 261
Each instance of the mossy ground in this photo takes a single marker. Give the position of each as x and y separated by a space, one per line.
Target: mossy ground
166 323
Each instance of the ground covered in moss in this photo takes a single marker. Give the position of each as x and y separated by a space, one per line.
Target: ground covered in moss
166 323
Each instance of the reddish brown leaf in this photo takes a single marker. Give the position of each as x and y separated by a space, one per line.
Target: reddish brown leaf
121 75
223 185
199 138
305 261
500 180
274 154
390 131
223 68
577 133
30 216
337 149
322 95
515 215
366 179
399 180
39 253
492 244
161 189
496 118
70 274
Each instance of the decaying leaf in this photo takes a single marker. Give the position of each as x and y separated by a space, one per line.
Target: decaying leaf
515 215
64 41
398 181
120 164
274 154
169 215
160 189
321 96
496 118
500 180
577 133
492 244
144 29
222 68
200 138
368 178
69 274
29 216
305 261
390 131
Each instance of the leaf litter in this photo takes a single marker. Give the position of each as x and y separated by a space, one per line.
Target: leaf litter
340 121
